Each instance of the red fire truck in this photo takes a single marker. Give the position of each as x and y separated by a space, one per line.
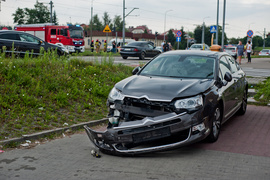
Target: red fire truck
70 36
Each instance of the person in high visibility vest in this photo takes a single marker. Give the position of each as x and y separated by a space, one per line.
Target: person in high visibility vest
105 46
92 46
97 43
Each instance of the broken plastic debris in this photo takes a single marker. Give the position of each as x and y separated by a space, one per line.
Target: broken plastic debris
28 141
63 135
65 124
41 108
95 154
25 145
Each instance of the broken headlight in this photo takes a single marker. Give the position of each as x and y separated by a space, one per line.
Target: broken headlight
189 103
115 94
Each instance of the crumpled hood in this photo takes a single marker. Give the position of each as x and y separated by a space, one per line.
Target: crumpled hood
162 88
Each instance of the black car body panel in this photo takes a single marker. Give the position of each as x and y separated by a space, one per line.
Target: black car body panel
139 49
159 108
20 42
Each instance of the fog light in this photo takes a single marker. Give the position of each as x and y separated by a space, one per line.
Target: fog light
199 127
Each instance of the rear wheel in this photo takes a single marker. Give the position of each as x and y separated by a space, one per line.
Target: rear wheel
243 108
142 56
215 126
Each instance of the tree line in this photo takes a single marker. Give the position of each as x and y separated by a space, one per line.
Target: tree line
41 14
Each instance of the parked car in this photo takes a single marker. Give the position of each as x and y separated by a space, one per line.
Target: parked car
199 47
20 42
178 98
139 49
231 50
159 48
264 52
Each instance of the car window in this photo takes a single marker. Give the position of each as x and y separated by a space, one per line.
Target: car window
135 44
181 66
150 46
234 66
10 36
224 66
27 38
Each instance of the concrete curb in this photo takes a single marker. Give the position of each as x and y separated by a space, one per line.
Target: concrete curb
53 131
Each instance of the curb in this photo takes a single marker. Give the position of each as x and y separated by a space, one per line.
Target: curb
53 131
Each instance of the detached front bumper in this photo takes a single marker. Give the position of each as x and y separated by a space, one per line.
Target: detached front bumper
150 134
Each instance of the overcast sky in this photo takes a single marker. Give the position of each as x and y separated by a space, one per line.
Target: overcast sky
241 15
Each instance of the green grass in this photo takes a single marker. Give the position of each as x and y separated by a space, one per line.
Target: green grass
47 92
263 91
260 48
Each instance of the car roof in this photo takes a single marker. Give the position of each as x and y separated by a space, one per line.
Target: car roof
195 53
12 31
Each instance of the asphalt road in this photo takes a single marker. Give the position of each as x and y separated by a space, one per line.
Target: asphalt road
242 152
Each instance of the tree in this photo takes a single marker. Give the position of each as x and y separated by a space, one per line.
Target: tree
19 16
171 37
118 23
54 18
106 19
97 25
40 14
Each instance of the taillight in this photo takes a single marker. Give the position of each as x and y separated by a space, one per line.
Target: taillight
122 49
267 53
136 50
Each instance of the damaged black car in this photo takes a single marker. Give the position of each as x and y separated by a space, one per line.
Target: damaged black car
177 98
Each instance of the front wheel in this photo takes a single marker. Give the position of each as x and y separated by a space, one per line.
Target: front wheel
215 126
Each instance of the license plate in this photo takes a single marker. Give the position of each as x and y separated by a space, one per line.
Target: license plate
151 135
127 49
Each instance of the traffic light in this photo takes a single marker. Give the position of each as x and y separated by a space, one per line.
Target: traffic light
156 34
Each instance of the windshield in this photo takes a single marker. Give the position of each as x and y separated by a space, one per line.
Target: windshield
76 33
230 48
180 67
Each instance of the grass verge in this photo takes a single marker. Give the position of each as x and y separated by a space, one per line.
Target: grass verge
49 92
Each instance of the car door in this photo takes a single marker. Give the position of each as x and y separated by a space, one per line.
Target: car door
10 40
238 78
227 91
30 43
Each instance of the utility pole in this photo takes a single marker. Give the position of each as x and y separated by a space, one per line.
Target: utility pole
223 26
124 7
217 22
264 38
203 33
0 4
51 6
91 21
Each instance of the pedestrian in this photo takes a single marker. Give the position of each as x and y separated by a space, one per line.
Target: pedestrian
240 51
105 46
170 46
113 47
162 44
249 49
92 46
97 44
165 47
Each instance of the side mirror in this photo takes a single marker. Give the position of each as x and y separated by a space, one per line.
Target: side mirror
136 70
40 42
228 77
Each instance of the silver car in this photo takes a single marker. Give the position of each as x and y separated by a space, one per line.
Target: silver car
231 50
264 52
199 47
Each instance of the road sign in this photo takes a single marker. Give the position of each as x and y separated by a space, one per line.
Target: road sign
107 29
179 33
178 39
249 33
213 29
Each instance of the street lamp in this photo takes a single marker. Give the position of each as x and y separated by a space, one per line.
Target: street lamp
165 23
203 30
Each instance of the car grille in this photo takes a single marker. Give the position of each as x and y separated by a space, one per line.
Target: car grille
151 105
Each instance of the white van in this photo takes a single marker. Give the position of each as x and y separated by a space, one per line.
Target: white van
119 43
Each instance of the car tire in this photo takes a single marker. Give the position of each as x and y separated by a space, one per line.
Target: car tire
124 57
142 56
243 107
215 125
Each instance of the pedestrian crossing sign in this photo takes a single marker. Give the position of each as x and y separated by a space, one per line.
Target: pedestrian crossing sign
107 29
213 29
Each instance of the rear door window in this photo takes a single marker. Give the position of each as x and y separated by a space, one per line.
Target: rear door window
9 36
